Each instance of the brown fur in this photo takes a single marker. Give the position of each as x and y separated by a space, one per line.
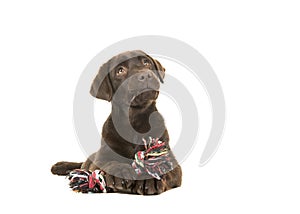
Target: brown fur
116 154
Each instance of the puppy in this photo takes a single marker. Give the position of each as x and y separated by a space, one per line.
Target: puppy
131 81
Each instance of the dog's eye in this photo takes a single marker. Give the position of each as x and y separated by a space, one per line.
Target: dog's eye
121 71
146 62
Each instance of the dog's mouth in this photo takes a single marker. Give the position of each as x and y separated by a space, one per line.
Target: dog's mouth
143 96
146 90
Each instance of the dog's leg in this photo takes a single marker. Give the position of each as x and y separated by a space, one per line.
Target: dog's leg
63 167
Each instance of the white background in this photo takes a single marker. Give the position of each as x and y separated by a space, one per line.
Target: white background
254 48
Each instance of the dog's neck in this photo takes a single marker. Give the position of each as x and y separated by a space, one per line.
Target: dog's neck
133 112
137 123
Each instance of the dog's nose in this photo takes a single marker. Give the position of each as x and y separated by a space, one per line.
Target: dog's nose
145 76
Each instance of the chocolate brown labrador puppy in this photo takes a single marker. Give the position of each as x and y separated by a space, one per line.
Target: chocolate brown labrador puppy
131 81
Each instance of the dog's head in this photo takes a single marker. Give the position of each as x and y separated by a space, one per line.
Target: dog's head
132 78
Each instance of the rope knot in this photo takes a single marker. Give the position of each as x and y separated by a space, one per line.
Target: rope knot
154 160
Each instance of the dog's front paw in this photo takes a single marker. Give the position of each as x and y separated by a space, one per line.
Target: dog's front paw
150 186
119 176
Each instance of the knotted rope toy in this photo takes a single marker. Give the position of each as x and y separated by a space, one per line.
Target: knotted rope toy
154 160
86 181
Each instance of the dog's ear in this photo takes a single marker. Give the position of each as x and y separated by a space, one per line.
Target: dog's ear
102 86
160 70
